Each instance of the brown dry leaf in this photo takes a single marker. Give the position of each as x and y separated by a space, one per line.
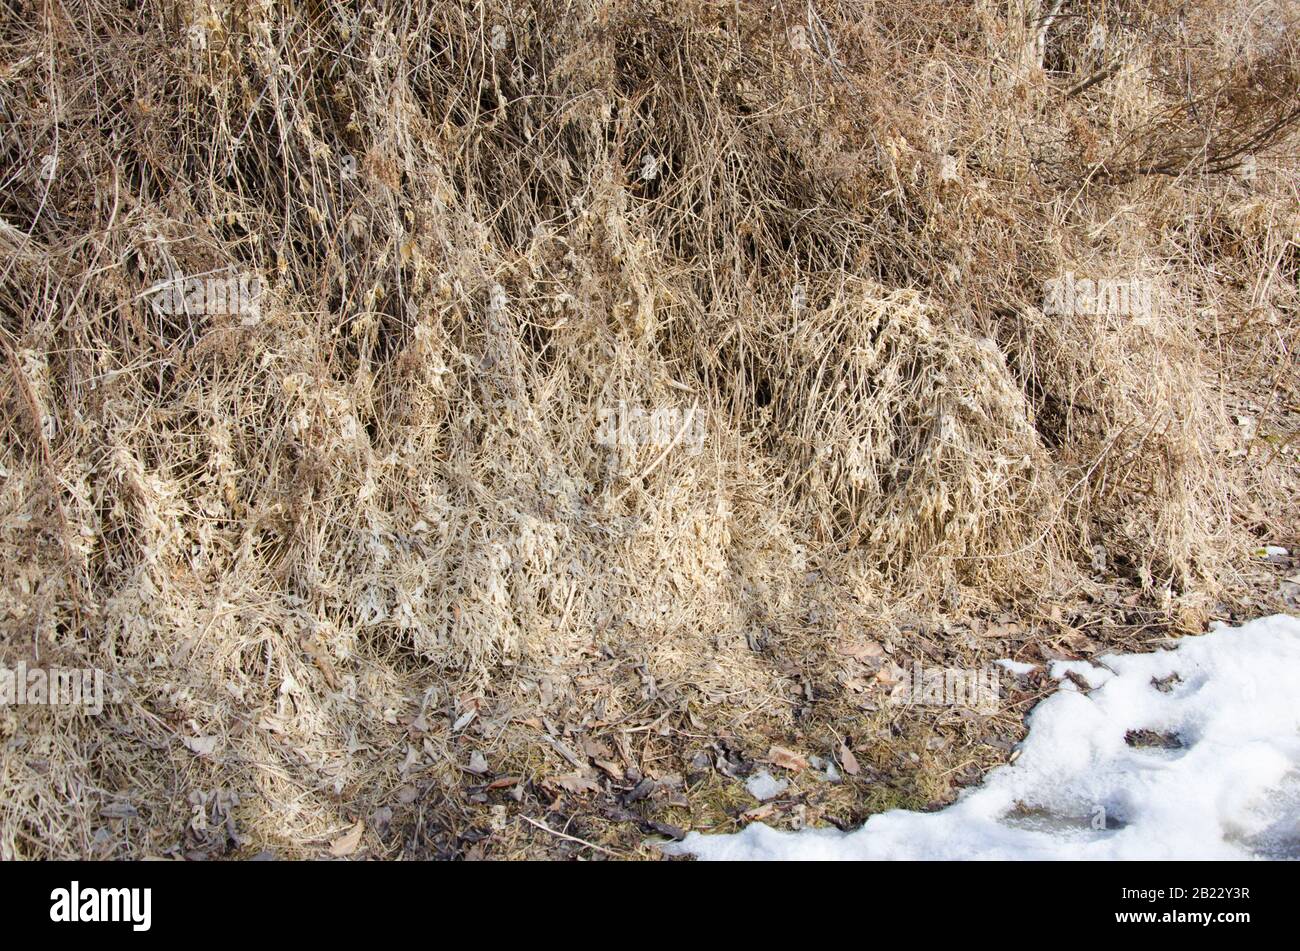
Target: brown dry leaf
348 842
572 782
322 660
272 724
848 760
786 759
864 649
1078 641
890 675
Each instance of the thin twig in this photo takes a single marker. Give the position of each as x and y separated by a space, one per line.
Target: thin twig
573 838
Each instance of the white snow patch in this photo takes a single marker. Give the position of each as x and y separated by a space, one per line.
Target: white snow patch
762 786
1215 772
1016 667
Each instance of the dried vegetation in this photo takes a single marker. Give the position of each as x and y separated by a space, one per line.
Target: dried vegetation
361 570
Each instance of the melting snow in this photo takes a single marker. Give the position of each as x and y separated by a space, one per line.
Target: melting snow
763 787
1189 753
1016 667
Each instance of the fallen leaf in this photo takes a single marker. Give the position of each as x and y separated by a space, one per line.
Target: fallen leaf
1078 641
786 759
573 782
322 659
200 745
890 675
272 724
642 789
862 650
848 760
348 842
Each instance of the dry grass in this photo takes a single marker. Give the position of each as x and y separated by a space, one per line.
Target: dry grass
352 539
